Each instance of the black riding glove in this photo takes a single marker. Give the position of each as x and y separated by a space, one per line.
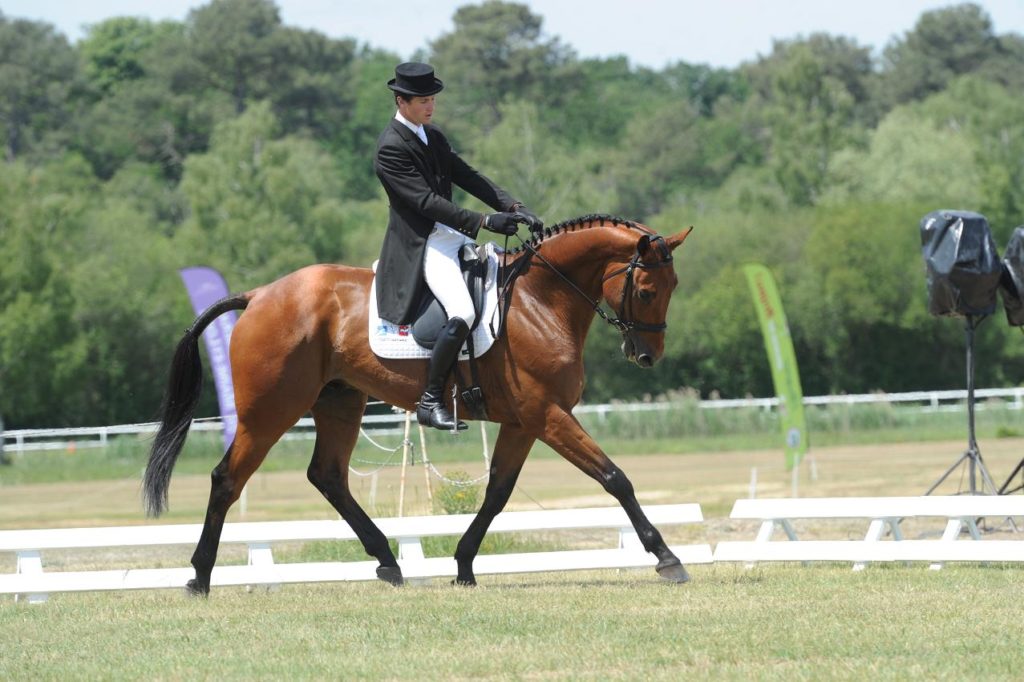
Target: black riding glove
530 218
503 223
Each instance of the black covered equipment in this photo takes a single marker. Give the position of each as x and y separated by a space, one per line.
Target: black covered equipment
1011 284
962 263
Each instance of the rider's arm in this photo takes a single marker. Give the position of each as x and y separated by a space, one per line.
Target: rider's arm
403 180
480 186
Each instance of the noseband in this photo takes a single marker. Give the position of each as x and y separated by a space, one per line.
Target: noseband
622 322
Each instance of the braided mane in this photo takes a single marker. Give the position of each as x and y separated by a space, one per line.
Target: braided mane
585 221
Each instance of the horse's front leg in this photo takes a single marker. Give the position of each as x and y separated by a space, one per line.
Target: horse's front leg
566 437
510 451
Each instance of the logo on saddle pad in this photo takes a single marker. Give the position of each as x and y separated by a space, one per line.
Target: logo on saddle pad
396 342
385 328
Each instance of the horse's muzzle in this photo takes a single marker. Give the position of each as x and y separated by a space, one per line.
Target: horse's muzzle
634 353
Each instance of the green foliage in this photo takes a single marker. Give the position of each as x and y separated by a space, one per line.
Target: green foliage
945 43
233 41
910 158
113 51
39 73
41 354
523 156
495 54
814 92
260 205
371 103
233 140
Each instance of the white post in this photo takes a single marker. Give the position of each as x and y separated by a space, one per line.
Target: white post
796 480
30 562
483 438
405 461
426 466
753 482
373 492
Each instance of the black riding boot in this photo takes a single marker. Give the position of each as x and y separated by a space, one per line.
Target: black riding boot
431 410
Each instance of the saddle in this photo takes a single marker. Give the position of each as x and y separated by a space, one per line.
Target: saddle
430 314
480 270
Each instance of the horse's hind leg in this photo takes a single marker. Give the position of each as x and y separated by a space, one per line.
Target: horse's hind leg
338 413
228 479
510 451
565 435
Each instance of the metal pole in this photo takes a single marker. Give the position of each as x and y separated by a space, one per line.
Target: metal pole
972 442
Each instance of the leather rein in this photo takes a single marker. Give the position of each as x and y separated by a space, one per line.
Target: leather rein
621 321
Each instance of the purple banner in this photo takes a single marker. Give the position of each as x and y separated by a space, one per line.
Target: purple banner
205 287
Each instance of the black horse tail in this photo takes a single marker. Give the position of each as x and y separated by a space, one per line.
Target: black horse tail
179 405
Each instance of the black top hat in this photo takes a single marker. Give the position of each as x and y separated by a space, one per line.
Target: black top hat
415 78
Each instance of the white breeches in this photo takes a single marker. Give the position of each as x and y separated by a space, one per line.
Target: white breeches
443 274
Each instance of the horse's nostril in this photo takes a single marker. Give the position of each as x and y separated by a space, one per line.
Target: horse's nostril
645 360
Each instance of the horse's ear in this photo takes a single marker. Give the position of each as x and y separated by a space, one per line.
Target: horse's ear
677 239
644 245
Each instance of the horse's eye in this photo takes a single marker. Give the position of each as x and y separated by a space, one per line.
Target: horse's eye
645 294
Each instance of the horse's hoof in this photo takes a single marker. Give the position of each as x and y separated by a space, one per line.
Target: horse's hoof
391 575
465 582
673 571
194 589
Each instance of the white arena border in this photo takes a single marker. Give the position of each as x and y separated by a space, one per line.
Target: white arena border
956 514
30 579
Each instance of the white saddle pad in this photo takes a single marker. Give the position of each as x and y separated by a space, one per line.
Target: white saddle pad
395 342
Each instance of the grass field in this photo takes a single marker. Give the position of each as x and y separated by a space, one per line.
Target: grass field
781 623
772 622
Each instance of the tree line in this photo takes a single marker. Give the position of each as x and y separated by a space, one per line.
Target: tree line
235 141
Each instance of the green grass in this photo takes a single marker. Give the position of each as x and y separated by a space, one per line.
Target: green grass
785 621
780 622
352 550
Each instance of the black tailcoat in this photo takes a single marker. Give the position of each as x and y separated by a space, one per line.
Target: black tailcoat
418 180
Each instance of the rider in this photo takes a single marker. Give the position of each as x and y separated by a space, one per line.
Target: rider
426 231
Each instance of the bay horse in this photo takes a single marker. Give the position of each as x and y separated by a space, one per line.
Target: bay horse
302 346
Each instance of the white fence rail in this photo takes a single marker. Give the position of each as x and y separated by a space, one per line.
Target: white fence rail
30 579
884 514
26 440
955 514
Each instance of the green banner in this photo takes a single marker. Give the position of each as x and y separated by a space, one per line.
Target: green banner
785 373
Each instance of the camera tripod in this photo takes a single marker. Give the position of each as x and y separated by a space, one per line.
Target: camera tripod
1005 488
972 456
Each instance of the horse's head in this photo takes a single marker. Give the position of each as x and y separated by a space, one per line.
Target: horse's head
639 292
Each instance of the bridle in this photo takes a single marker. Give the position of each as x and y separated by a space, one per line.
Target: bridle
622 321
